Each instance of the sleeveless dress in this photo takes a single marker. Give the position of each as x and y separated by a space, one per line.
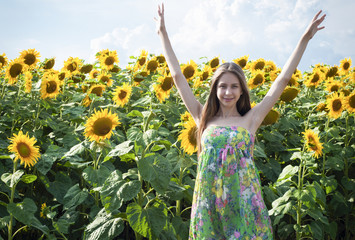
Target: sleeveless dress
227 201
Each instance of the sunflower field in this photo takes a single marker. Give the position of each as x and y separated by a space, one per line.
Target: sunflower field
98 151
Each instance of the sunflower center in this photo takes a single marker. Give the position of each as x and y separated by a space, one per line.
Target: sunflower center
97 91
258 79
2 61
332 71
102 126
141 61
30 59
242 63
214 63
23 149
192 136
95 74
334 88
86 68
152 65
49 64
72 67
61 76
259 65
15 69
189 71
346 66
205 75
352 101
315 78
109 61
51 87
336 105
104 79
167 83
122 94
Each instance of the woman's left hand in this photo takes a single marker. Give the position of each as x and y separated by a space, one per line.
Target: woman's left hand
313 27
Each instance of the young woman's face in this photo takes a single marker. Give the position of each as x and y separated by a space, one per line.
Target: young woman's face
228 90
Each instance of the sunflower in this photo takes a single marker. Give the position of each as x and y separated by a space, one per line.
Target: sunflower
94 73
62 75
100 125
44 211
186 116
352 76
350 102
15 68
289 94
274 74
30 57
115 69
97 89
108 60
214 62
270 66
188 137
50 86
313 143
142 58
152 65
122 94
335 105
28 81
189 70
106 79
345 66
321 107
271 117
161 59
3 60
86 68
333 85
315 78
205 73
258 64
102 54
48 63
242 61
331 72
139 76
72 65
163 87
23 147
257 79
293 81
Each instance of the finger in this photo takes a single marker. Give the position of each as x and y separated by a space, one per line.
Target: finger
316 16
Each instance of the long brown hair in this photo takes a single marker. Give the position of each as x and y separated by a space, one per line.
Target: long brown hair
211 106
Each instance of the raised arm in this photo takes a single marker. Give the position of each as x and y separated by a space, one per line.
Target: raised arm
259 112
180 81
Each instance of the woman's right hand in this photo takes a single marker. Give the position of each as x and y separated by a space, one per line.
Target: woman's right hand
160 23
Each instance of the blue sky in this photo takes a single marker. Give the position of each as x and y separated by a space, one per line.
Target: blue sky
266 29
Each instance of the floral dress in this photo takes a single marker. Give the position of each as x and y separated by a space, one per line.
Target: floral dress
227 201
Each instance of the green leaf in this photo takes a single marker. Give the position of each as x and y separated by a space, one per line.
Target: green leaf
149 136
134 134
288 172
47 159
330 184
335 163
28 178
135 113
332 230
129 190
96 178
77 149
156 169
148 222
104 226
75 196
119 150
317 230
12 179
109 190
59 187
317 215
181 227
24 213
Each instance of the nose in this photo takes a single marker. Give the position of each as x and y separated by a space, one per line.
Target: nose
228 91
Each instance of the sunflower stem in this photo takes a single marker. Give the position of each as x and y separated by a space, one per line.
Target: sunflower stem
10 237
325 140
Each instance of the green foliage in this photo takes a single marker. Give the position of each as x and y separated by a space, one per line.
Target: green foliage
139 183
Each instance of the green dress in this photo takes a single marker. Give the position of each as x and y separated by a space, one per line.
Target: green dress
227 201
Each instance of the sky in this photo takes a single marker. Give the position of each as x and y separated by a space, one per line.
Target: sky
199 30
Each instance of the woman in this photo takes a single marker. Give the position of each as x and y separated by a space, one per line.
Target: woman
227 202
